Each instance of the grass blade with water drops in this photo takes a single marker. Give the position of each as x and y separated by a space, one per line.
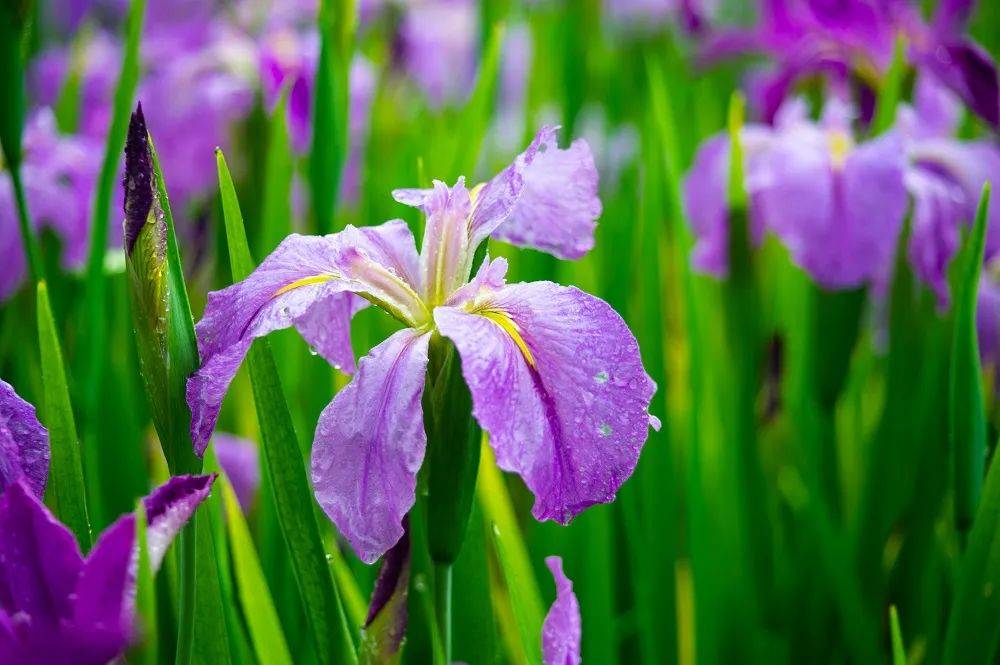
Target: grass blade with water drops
66 491
288 481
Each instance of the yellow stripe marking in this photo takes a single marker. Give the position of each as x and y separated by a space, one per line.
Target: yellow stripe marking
305 281
503 320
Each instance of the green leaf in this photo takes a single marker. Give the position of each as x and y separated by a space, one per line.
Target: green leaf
973 630
525 599
258 608
65 493
892 89
210 643
288 481
475 117
330 109
898 650
93 347
145 597
276 218
967 412
68 104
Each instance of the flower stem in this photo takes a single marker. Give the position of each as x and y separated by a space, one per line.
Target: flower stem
442 606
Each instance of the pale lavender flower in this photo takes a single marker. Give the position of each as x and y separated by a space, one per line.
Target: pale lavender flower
24 443
58 607
59 173
438 42
945 177
240 461
545 364
561 629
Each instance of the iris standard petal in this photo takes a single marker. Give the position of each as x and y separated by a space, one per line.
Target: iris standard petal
24 443
370 444
302 273
446 253
557 381
970 72
561 630
558 207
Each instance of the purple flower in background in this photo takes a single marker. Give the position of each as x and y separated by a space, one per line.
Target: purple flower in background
57 606
837 206
239 460
945 177
438 42
988 318
59 173
851 44
561 630
555 374
24 443
289 59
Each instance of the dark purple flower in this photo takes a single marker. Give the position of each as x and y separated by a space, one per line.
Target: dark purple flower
563 362
58 607
240 461
851 43
24 443
561 630
438 42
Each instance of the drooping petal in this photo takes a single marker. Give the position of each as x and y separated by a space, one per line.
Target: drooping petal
302 273
970 72
939 208
557 381
705 201
105 594
24 443
239 458
370 444
385 625
558 206
838 209
168 509
39 559
561 630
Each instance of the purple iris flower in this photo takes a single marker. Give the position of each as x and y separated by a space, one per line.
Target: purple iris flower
59 173
988 318
239 460
561 629
57 606
851 43
837 205
24 443
289 58
555 374
945 177
438 42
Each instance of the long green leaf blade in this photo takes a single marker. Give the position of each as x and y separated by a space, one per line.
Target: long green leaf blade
967 412
66 492
288 480
258 608
525 598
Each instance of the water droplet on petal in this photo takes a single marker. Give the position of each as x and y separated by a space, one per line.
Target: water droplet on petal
604 429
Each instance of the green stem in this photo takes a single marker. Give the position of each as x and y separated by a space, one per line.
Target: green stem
442 606
186 610
31 249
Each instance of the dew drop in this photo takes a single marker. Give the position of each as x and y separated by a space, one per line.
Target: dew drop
604 429
601 377
313 351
